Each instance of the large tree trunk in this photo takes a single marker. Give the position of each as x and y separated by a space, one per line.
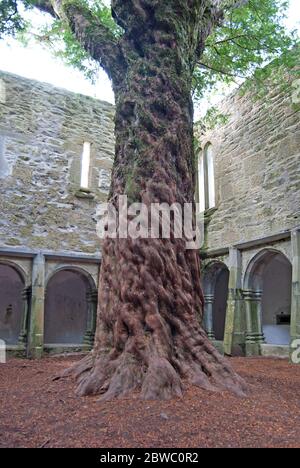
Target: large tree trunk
149 336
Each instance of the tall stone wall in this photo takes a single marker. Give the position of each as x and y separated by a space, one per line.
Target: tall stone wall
42 131
257 168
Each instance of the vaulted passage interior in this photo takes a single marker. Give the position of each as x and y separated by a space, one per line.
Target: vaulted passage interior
216 277
270 280
66 308
11 304
276 300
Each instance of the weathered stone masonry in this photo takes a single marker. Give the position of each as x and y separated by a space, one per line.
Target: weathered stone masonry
49 251
253 230
42 130
48 222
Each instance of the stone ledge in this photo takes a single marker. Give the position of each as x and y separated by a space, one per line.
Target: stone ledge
53 255
278 351
16 351
85 194
66 348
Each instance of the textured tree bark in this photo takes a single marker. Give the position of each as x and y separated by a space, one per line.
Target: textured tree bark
149 336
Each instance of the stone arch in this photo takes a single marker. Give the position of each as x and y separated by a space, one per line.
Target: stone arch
13 295
210 274
19 270
75 268
268 283
254 271
215 285
70 307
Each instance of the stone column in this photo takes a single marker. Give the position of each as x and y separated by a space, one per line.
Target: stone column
36 336
234 325
92 299
295 303
254 332
258 317
26 294
208 315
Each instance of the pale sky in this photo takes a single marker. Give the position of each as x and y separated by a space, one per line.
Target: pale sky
38 63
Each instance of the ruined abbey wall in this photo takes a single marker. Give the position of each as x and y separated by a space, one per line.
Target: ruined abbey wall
42 131
48 242
257 168
252 231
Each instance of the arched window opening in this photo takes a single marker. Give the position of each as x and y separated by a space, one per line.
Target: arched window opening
268 290
206 178
85 165
2 92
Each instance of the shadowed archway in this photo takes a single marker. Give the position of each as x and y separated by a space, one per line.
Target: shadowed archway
69 311
268 283
12 284
215 284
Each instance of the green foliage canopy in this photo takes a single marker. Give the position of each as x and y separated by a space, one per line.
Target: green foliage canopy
10 19
250 37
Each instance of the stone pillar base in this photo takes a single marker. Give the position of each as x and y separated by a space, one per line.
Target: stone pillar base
88 339
23 339
36 353
253 349
211 335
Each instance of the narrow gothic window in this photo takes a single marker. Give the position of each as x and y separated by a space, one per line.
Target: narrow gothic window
5 169
206 177
85 165
2 92
201 183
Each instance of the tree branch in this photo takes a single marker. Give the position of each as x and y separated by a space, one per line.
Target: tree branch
222 72
229 4
45 6
214 15
229 39
93 35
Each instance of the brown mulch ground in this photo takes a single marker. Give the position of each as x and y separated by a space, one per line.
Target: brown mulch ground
36 411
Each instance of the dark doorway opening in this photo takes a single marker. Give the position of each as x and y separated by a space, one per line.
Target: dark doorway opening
220 303
11 304
66 308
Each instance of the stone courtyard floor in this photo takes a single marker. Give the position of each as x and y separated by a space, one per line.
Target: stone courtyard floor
37 411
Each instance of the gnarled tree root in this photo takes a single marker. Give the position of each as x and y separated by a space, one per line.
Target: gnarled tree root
156 378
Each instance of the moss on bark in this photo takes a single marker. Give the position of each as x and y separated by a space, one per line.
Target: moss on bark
149 336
